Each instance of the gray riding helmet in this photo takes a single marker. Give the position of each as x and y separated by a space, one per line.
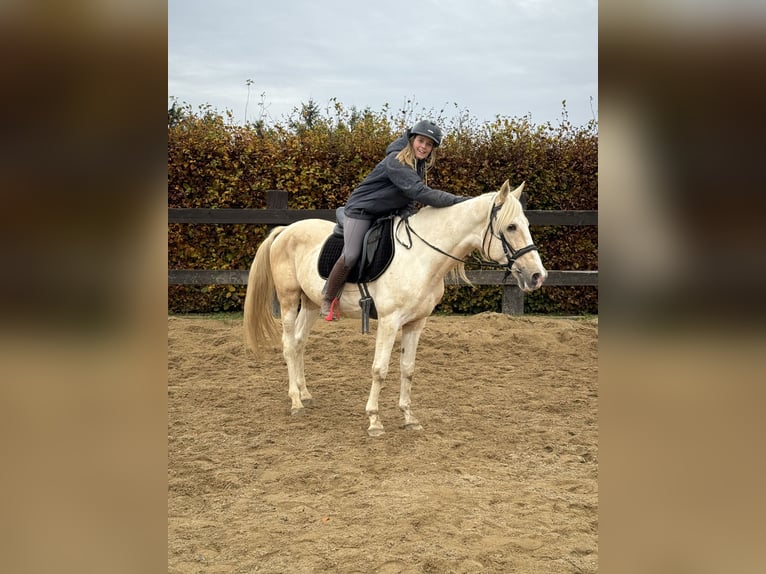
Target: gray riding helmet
428 129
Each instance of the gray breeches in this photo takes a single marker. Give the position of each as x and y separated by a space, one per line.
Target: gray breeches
353 236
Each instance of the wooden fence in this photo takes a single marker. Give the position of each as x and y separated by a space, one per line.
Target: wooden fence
277 213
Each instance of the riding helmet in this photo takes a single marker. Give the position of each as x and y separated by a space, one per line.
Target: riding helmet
428 129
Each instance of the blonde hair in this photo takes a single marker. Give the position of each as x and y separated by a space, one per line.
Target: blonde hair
407 157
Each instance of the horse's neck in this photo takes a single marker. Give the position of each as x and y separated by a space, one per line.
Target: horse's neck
457 229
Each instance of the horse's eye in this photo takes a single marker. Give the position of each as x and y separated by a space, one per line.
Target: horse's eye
512 227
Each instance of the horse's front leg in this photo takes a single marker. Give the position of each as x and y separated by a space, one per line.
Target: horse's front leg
410 338
384 342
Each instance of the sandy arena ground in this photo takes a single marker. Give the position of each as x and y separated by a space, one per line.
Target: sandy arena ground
503 478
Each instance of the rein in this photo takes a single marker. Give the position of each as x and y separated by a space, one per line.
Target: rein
511 254
408 229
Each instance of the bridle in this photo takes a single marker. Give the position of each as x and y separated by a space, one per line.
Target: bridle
511 254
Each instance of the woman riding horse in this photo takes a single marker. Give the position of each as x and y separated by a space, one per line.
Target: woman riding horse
396 184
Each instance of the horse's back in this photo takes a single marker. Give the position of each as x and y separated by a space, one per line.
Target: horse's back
307 232
302 239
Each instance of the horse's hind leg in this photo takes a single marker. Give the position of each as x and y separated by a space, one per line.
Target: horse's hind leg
305 320
410 338
295 329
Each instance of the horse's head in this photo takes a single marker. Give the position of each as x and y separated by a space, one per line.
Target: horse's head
509 242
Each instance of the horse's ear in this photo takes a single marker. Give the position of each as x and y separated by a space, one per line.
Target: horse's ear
503 193
517 192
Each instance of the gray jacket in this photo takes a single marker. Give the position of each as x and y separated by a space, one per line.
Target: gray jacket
392 186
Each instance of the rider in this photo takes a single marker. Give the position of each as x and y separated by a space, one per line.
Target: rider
396 184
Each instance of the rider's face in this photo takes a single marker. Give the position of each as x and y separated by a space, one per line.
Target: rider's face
422 146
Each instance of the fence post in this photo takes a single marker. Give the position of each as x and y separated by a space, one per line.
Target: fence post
513 300
513 297
276 199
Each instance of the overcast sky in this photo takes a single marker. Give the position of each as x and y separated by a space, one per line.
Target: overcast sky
486 57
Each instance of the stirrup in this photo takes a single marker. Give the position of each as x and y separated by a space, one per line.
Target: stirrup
334 313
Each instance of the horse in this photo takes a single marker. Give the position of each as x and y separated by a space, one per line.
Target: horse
429 244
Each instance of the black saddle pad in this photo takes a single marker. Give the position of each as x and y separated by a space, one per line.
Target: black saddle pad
376 256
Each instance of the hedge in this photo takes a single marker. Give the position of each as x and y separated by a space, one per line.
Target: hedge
319 157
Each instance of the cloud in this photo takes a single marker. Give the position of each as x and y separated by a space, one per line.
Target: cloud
491 58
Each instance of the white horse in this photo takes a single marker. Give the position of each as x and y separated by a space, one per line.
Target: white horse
435 242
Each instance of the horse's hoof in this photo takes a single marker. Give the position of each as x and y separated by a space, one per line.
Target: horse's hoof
297 411
307 402
376 432
415 426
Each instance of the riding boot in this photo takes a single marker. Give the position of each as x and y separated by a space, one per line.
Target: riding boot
334 286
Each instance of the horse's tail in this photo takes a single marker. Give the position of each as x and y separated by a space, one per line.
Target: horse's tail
260 324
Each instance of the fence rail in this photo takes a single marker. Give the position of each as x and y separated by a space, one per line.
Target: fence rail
277 213
239 277
285 216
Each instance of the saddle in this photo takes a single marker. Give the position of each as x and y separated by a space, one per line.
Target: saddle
377 254
377 250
